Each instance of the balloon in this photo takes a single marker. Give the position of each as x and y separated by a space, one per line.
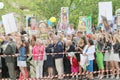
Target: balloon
52 19
1 40
1 5
49 23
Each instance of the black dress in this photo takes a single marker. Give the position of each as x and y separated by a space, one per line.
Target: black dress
79 52
67 65
50 59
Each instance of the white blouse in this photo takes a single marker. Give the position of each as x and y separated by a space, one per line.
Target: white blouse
89 52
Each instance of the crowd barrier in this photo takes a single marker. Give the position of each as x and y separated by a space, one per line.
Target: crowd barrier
56 76
66 75
17 54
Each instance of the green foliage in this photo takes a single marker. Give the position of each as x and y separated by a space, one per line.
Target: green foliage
44 9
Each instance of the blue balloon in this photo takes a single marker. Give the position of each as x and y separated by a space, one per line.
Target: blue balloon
50 23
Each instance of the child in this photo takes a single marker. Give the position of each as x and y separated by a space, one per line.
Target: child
74 63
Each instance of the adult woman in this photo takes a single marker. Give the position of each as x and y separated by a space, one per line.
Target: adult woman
72 65
107 50
68 48
21 59
30 59
89 51
99 59
50 59
99 56
80 46
38 57
114 56
32 40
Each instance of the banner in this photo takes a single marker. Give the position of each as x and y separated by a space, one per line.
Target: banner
89 24
118 22
64 21
9 23
105 9
82 23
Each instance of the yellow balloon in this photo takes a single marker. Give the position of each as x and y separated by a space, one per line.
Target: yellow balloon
1 40
53 19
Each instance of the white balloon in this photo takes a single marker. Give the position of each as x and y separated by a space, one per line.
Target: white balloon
1 5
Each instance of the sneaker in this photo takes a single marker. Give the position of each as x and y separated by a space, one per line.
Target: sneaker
112 76
117 77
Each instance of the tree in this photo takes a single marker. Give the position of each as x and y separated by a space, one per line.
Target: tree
44 9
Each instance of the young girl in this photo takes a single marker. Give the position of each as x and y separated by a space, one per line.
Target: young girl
21 59
38 54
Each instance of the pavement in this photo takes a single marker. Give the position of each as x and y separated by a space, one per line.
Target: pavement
85 79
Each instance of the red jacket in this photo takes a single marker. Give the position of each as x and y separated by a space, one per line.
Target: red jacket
74 62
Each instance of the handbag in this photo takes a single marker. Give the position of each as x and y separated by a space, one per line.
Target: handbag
84 60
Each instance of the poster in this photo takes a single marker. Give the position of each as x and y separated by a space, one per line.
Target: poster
105 9
64 20
118 22
118 18
9 23
82 23
31 24
89 24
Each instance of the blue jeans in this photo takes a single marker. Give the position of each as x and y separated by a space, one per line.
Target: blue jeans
90 66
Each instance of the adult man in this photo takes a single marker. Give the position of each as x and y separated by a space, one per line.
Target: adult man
9 49
58 48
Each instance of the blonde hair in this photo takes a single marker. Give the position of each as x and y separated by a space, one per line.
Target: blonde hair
39 41
94 36
69 42
116 38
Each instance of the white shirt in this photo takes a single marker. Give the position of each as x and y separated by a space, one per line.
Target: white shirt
90 52
70 31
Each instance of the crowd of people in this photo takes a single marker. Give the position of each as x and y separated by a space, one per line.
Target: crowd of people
62 52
